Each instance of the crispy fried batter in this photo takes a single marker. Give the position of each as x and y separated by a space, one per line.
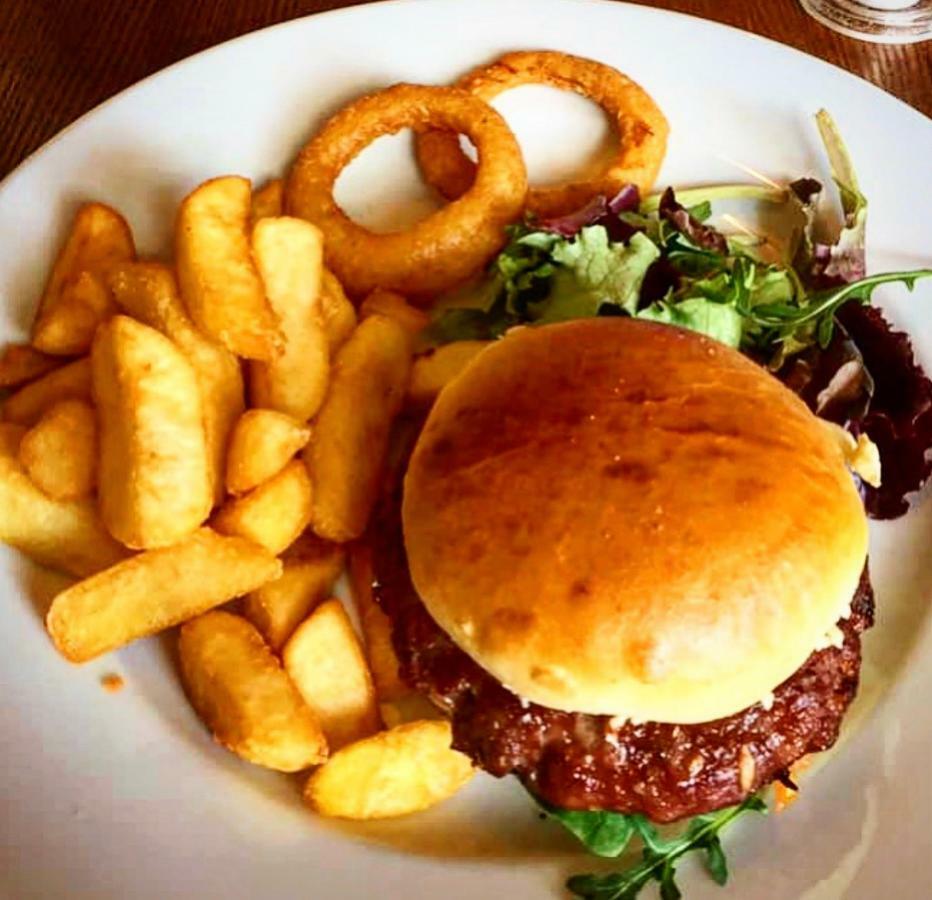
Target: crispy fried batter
639 124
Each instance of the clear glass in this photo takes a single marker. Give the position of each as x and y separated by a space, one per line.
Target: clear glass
879 21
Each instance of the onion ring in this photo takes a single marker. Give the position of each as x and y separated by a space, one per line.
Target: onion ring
640 125
446 247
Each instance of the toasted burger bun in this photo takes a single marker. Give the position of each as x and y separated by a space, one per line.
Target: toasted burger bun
618 517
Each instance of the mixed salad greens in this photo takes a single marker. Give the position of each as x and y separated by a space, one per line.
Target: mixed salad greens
804 313
608 834
797 311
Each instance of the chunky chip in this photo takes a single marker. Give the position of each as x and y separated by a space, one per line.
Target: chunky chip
388 303
266 201
155 590
71 382
148 292
289 257
409 708
20 363
350 434
393 773
219 282
274 514
240 691
153 477
277 608
337 312
431 372
59 453
85 303
326 663
261 445
75 300
66 535
376 628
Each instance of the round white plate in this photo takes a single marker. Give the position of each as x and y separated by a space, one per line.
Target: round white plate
124 795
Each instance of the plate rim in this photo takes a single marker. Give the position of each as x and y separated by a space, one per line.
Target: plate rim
359 8
645 12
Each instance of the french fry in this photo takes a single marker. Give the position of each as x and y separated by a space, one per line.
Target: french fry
219 283
261 445
65 535
59 453
20 363
388 303
274 514
289 256
431 372
277 608
148 292
69 329
71 382
75 300
266 201
376 628
240 691
153 477
327 665
411 707
337 312
393 773
350 434
155 590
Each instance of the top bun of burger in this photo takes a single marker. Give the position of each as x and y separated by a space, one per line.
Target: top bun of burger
617 517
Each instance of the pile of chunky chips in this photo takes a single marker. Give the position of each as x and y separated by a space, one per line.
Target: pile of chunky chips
200 442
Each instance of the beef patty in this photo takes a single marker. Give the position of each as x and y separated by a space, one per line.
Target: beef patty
582 761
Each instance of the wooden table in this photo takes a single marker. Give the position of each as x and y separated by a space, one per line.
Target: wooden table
60 59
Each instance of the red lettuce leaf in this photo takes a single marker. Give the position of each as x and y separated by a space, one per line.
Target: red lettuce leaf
705 236
899 418
600 210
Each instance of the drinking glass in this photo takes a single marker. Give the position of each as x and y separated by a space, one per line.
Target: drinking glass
880 21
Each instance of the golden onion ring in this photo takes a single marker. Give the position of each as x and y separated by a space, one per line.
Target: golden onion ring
638 122
442 249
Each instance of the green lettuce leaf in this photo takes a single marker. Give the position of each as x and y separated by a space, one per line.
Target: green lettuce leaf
590 272
716 320
660 856
602 833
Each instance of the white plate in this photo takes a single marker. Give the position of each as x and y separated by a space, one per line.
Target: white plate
124 796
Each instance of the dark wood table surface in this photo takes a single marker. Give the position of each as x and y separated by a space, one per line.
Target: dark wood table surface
60 58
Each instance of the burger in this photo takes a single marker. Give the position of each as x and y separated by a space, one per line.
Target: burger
630 565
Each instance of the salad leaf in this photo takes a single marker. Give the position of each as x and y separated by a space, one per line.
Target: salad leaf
899 418
591 271
717 320
804 197
598 211
524 267
462 325
603 833
701 211
834 382
826 264
786 319
712 192
846 258
699 234
660 857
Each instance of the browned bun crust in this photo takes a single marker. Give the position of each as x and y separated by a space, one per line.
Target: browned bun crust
618 517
